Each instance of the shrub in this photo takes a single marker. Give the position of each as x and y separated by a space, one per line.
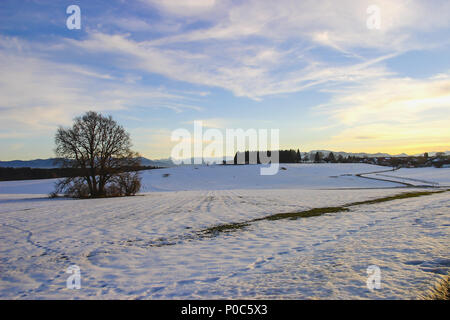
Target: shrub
441 291
122 184
128 183
73 188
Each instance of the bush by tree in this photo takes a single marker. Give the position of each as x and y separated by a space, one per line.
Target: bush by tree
128 183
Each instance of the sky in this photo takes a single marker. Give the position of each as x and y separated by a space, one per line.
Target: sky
322 72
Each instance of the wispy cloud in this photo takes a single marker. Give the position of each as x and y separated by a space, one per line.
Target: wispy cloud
185 8
253 73
393 113
187 55
38 94
391 99
255 48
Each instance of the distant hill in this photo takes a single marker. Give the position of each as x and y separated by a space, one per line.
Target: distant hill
50 163
157 163
37 163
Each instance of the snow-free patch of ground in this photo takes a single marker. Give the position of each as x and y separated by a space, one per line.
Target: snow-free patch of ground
148 246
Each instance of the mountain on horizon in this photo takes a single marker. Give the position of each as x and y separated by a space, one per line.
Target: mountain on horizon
50 163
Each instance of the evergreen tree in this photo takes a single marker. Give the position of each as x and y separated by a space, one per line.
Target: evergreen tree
331 157
317 157
292 156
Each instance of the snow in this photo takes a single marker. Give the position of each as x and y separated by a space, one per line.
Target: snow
44 186
148 246
231 177
311 176
418 176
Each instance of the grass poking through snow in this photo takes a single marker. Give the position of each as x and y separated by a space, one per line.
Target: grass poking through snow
230 227
315 212
441 290
302 214
396 197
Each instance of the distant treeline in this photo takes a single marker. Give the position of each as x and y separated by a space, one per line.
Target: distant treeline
10 174
285 156
292 156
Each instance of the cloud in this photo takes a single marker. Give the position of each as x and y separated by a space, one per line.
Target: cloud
36 94
184 7
339 24
214 123
410 138
393 113
250 71
391 99
255 48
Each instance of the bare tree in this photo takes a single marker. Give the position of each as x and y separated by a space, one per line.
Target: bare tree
101 150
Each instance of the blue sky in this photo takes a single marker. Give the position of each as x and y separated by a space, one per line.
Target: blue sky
312 69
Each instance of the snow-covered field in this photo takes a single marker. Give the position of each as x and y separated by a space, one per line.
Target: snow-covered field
149 246
188 178
310 176
429 176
